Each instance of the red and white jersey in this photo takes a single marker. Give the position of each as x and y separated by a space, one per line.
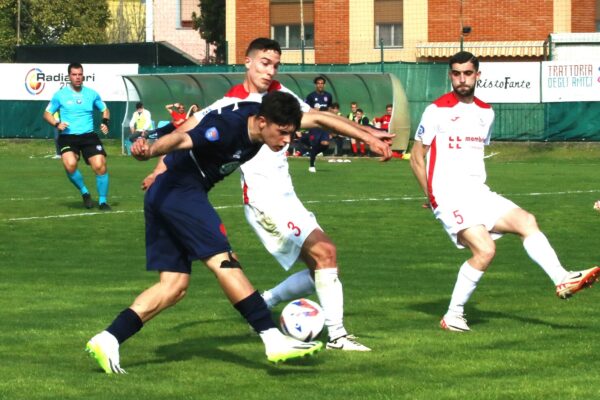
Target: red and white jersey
456 133
265 176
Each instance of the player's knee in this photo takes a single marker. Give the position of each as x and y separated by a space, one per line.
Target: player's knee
175 292
486 253
530 222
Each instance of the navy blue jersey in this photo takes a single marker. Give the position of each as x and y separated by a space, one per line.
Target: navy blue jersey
221 144
320 101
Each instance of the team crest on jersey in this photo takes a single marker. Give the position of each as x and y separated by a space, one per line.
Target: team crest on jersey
420 131
211 134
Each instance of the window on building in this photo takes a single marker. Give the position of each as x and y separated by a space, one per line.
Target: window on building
287 19
289 36
186 8
389 23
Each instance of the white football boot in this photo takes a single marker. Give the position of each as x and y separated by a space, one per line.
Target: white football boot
454 322
104 348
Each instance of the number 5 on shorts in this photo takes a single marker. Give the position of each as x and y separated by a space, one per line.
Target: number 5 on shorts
459 218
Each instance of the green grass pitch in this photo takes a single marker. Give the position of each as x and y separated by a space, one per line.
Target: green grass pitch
65 272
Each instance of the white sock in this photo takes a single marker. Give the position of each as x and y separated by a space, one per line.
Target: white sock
539 250
293 287
465 285
331 296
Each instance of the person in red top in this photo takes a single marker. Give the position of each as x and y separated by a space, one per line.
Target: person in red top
384 120
178 114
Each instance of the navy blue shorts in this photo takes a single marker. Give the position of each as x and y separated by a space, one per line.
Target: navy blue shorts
181 224
316 136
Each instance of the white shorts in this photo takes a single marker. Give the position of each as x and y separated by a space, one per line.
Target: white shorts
482 207
282 228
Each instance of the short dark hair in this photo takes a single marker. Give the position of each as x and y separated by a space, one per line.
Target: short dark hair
335 105
281 108
263 44
139 105
319 78
464 57
389 105
74 65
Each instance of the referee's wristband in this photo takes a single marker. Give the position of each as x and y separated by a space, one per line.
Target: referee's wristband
105 121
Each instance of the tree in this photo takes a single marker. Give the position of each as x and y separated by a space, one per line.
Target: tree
128 24
52 22
211 26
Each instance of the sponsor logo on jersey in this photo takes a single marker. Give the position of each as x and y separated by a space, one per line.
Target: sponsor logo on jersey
211 134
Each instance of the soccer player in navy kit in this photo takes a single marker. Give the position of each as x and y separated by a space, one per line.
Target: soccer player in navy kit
182 225
320 100
76 104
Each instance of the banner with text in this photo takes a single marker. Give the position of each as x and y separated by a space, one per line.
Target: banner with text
41 81
509 82
570 81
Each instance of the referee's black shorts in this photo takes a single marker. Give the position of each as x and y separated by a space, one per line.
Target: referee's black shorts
87 144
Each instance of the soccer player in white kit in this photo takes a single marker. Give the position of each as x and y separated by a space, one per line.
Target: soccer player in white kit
287 230
447 160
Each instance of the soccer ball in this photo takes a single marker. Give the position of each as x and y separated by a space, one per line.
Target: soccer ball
597 205
302 319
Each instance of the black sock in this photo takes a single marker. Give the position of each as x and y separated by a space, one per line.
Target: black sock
254 309
127 324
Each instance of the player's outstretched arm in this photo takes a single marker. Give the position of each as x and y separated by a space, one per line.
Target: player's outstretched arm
418 165
379 134
143 151
342 126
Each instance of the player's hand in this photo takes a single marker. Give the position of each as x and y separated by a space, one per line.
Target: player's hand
148 181
104 129
140 149
381 148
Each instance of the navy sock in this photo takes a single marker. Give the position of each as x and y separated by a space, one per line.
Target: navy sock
127 324
254 309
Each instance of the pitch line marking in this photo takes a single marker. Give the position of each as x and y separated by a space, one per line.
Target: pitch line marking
403 198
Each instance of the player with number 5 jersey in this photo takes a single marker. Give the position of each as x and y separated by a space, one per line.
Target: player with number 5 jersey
448 161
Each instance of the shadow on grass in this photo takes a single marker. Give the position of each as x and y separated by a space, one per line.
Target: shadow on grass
215 348
438 307
78 205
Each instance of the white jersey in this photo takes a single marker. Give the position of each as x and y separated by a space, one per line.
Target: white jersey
265 177
456 133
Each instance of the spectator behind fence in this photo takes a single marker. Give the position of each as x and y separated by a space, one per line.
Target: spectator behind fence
383 122
361 119
194 108
178 114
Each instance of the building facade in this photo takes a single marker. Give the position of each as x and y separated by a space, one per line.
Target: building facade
158 21
356 31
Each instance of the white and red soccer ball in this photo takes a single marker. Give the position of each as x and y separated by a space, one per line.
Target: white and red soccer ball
597 205
302 319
